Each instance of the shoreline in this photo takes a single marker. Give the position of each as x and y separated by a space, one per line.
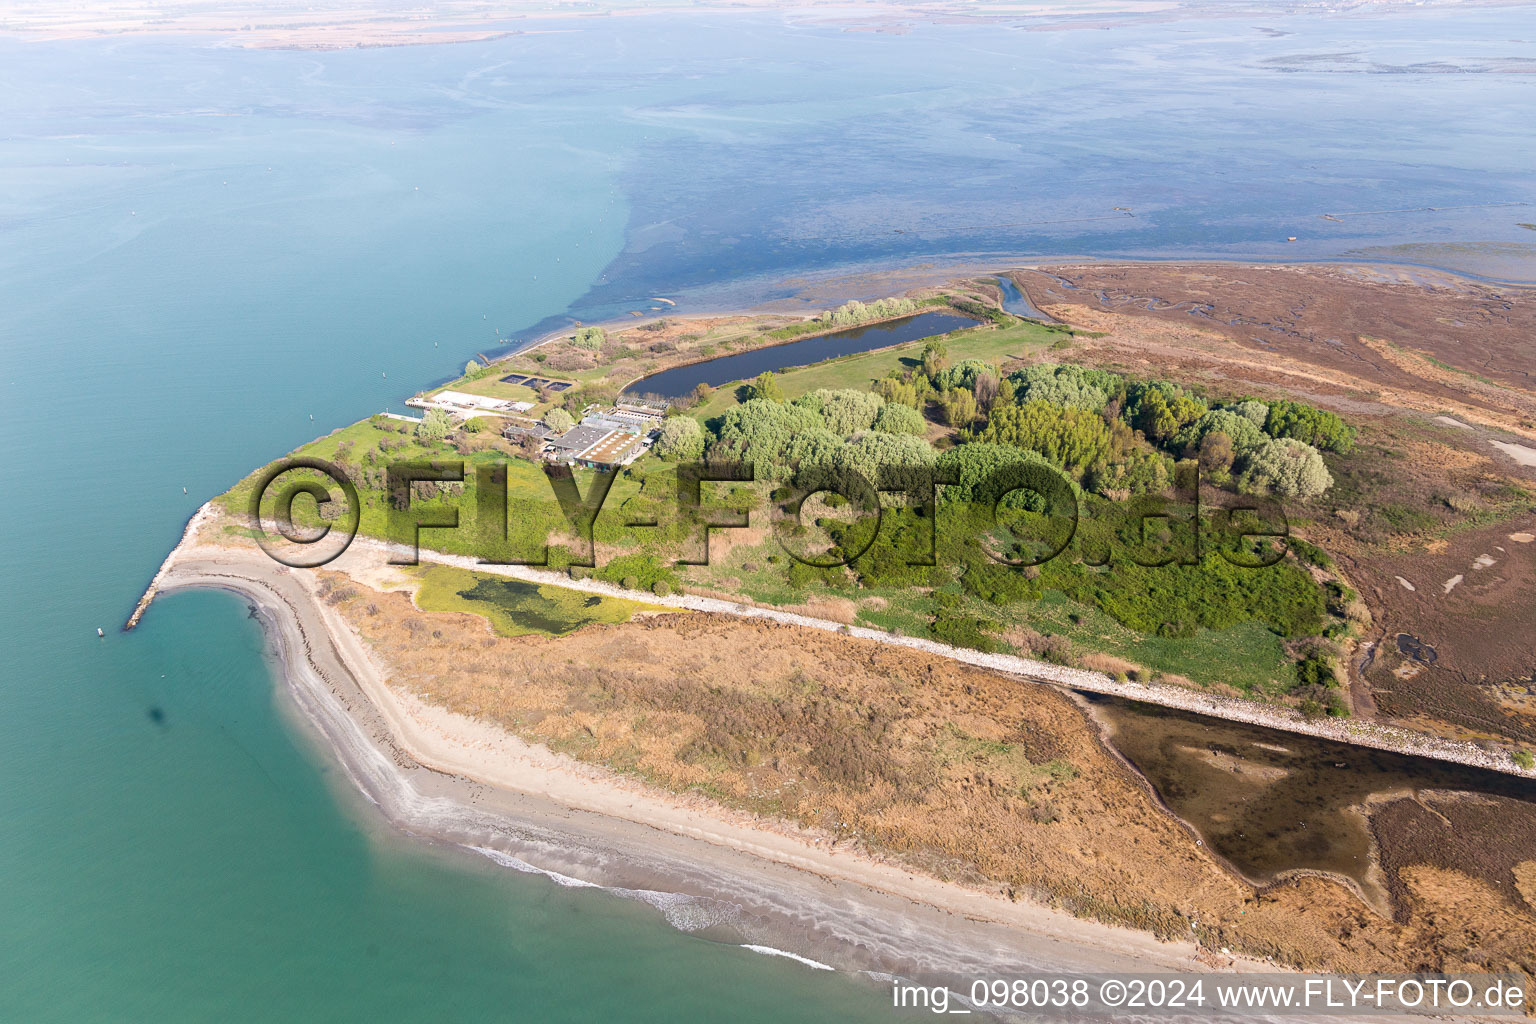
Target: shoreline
712 872
934 272
1371 733
1356 732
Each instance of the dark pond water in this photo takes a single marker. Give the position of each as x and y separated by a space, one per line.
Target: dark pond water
542 609
744 365
1017 303
1271 801
1416 649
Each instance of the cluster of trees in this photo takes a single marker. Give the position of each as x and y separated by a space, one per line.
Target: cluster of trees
1231 448
1120 436
1075 387
1110 435
899 419
1312 426
834 429
856 312
1074 439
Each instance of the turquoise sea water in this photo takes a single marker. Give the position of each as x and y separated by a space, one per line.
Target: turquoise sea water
202 247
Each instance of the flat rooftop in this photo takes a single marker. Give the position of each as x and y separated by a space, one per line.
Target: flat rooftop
614 446
579 439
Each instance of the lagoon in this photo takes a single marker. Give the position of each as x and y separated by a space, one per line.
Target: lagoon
681 380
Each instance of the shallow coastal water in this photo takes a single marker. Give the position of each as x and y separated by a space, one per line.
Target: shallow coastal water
210 255
1273 802
1017 303
744 365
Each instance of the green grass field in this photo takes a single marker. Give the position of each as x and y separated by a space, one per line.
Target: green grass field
361 447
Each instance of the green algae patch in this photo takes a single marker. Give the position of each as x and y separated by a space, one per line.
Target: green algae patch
518 608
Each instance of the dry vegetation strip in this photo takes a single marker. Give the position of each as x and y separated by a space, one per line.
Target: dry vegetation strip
959 772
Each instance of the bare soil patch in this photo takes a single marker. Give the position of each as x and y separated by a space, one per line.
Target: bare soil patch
1322 316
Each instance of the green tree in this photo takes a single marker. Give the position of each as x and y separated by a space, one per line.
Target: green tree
558 420
960 408
812 448
759 431
963 375
1007 394
974 463
1216 455
1240 432
434 426
1311 425
1253 411
681 438
1160 410
1287 467
903 392
900 419
934 359
880 458
1074 439
1135 472
1075 386
766 388
845 411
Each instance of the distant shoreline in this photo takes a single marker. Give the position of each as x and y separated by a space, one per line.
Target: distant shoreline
463 21
922 275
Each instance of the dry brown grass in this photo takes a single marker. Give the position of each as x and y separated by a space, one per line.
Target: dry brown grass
1525 881
1110 664
962 773
833 609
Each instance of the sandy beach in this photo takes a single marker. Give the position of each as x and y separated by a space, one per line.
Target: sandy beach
727 876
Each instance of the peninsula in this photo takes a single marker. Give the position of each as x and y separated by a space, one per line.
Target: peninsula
812 694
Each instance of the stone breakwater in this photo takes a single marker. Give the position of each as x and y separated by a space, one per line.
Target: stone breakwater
202 515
